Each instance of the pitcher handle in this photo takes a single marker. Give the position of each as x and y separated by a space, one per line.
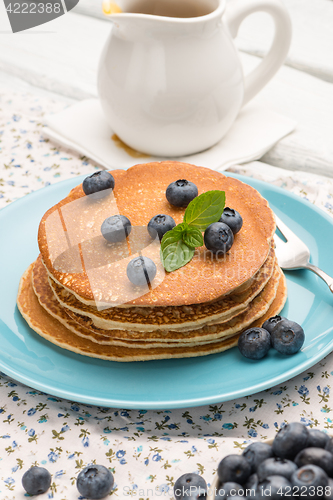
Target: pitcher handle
236 12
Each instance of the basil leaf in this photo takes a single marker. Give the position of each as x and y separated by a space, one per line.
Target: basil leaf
174 235
178 245
205 209
193 237
174 251
176 255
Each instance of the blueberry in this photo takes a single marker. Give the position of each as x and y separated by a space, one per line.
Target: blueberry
256 453
218 238
233 468
190 486
275 467
329 490
160 224
116 228
271 323
252 482
229 489
290 440
232 218
307 476
98 182
276 486
181 192
317 439
254 343
221 495
287 337
316 456
94 481
141 271
329 445
236 497
36 480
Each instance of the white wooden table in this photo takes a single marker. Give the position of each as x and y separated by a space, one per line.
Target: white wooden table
61 58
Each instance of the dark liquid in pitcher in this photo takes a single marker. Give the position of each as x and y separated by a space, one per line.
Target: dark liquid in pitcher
174 8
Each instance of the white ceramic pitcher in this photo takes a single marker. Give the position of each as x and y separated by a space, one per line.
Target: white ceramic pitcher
170 80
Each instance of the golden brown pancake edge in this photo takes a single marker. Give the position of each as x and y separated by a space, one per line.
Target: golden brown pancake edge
55 332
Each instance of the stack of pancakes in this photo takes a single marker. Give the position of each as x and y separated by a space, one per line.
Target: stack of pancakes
73 296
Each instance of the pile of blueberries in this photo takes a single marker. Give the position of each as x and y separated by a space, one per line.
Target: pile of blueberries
285 336
94 481
299 464
218 237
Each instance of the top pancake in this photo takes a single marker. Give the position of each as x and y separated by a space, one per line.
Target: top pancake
139 195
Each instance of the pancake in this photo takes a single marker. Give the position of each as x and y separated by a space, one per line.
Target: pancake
76 221
206 334
166 318
52 330
238 290
209 333
77 294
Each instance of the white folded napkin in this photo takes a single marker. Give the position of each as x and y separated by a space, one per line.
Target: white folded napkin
82 127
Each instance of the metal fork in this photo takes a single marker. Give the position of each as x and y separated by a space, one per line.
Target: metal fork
294 254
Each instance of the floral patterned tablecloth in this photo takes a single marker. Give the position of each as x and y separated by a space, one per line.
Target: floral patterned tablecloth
146 450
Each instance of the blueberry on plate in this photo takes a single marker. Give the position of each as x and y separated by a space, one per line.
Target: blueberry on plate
141 271
98 182
94 482
272 322
256 453
316 456
307 476
254 343
115 228
190 486
229 489
277 486
159 225
218 238
287 337
290 440
275 467
233 468
232 218
36 480
317 439
181 192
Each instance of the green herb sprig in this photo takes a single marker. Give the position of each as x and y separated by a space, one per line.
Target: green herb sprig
179 244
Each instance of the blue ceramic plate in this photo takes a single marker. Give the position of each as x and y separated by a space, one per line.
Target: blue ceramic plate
169 383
